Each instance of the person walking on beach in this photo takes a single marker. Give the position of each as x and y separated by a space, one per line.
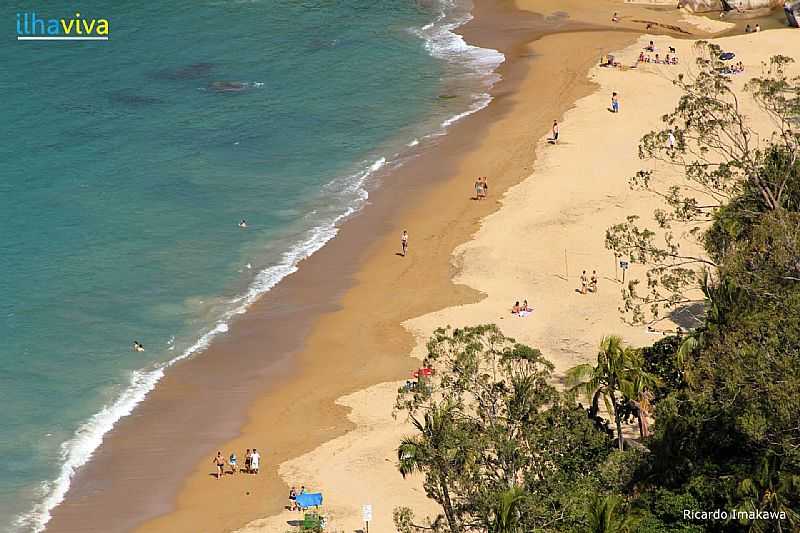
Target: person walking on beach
247 457
593 282
232 462
614 103
255 459
220 462
671 141
404 242
478 188
555 132
485 187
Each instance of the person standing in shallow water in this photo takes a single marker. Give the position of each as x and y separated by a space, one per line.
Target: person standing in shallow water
404 242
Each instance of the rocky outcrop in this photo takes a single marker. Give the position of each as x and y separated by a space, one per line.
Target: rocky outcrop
792 10
703 6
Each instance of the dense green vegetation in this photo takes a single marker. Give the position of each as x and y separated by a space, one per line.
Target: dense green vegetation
502 450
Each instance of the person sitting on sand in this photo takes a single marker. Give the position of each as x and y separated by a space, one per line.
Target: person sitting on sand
584 283
593 282
758 28
615 18
555 132
650 47
641 57
219 461
515 309
232 462
526 307
656 60
255 460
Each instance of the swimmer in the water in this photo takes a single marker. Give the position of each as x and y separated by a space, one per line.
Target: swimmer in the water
243 223
137 347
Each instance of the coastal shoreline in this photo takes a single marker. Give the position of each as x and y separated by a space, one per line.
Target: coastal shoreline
349 269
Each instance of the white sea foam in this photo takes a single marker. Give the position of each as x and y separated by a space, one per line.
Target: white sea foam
441 41
474 65
76 451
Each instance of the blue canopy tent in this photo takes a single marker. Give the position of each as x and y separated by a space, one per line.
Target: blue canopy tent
309 499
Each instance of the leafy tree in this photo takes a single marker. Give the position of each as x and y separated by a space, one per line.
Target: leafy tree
505 516
730 177
771 490
617 378
438 452
500 449
607 515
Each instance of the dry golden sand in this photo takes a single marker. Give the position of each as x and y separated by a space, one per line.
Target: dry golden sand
576 190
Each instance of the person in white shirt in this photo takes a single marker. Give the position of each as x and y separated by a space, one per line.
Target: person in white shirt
255 459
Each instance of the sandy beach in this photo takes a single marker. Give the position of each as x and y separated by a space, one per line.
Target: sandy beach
565 205
319 408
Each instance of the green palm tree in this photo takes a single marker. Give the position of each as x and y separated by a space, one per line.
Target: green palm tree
505 513
617 375
639 387
605 516
436 451
771 490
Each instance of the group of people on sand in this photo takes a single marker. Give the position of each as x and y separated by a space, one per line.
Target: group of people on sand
671 58
756 29
736 68
521 310
252 463
481 188
588 284
667 60
293 493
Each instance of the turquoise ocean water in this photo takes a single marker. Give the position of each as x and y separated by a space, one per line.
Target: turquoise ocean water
126 165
